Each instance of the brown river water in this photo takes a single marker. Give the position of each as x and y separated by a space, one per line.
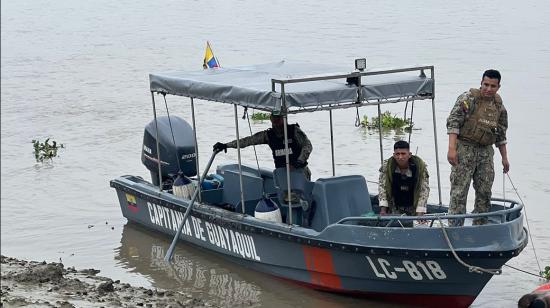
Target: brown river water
77 72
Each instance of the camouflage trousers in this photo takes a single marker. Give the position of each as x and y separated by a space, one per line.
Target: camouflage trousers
475 162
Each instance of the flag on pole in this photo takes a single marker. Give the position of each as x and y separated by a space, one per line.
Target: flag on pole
210 60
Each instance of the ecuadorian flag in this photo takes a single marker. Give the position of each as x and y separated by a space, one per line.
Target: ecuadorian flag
210 60
132 204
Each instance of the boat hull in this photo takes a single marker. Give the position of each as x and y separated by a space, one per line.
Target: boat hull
424 277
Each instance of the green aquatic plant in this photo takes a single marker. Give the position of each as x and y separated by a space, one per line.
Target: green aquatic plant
546 273
45 150
260 116
388 121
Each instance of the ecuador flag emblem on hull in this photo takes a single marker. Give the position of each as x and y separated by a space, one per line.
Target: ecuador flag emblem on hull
132 204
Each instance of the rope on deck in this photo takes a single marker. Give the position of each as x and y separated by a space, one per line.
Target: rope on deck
527 220
471 268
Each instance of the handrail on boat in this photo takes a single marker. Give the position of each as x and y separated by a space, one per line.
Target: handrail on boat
360 102
514 207
352 74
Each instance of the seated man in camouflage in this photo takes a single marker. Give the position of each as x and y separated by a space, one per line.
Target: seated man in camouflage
299 146
404 183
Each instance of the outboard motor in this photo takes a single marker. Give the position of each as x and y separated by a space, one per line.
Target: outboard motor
183 150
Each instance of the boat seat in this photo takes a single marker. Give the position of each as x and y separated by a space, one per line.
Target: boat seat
339 197
298 184
300 197
266 174
252 190
235 167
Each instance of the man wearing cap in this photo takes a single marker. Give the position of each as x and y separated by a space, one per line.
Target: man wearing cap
404 183
299 145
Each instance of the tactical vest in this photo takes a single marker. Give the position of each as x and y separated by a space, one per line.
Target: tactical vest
481 123
277 145
403 187
414 190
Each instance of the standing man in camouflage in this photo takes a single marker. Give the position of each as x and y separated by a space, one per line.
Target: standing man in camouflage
403 183
299 145
477 121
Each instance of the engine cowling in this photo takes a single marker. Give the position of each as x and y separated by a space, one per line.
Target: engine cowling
177 153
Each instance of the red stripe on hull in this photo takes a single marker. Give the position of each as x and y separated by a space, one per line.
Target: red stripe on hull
418 300
321 269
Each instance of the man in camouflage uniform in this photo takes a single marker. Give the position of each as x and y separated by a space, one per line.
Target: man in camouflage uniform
299 145
403 183
477 121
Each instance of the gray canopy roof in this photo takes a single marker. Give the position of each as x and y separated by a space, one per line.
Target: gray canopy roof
251 86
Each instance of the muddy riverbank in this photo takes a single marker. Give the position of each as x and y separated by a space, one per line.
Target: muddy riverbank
41 284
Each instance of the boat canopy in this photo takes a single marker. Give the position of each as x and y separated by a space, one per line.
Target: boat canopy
292 86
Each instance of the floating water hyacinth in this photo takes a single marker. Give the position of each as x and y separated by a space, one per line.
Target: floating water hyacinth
45 150
260 116
388 121
546 273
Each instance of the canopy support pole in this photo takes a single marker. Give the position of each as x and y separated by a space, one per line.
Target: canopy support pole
411 121
289 191
239 156
171 131
332 143
158 145
196 145
436 146
287 158
380 135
